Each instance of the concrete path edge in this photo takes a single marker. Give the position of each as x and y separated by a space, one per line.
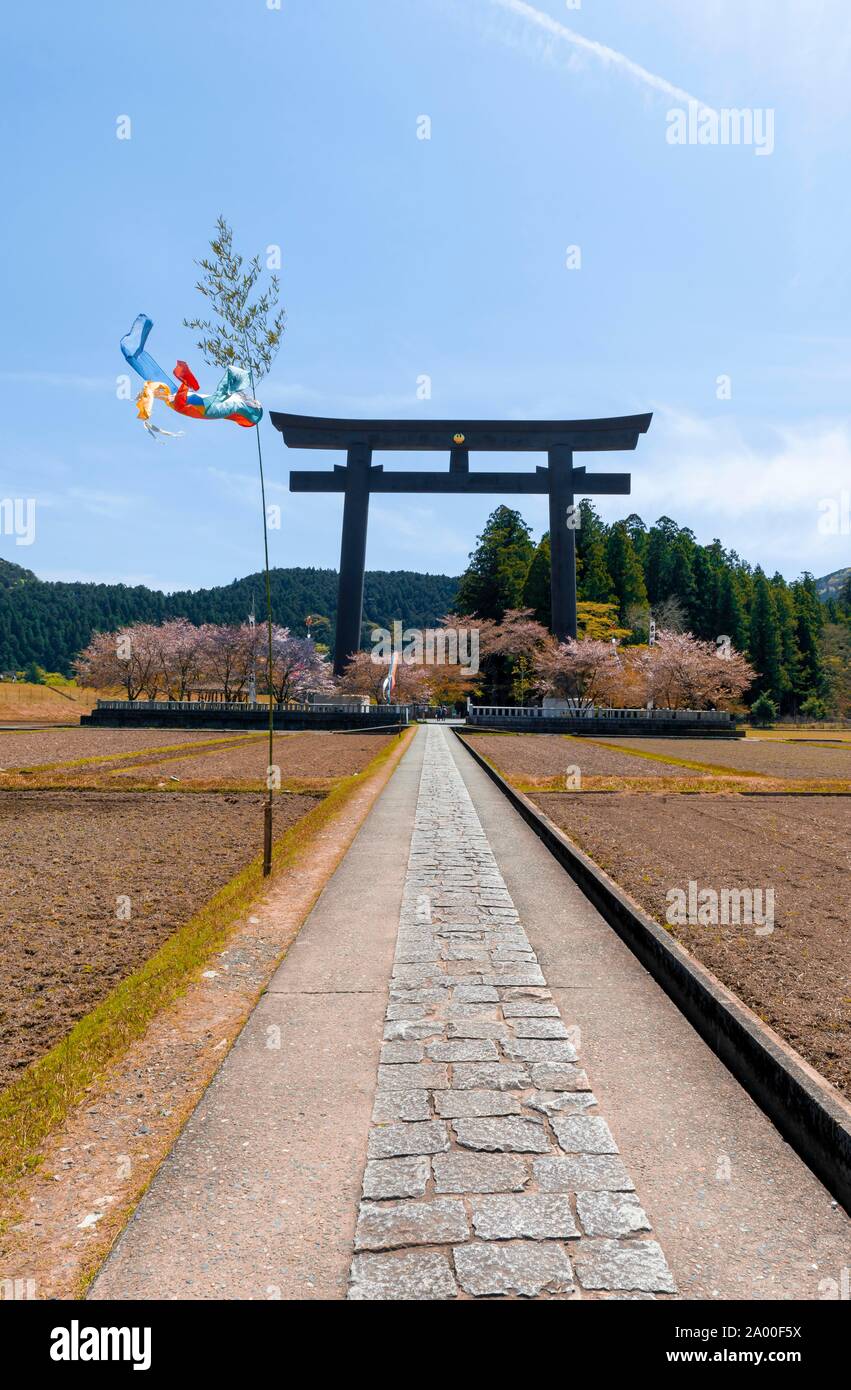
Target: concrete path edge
810 1114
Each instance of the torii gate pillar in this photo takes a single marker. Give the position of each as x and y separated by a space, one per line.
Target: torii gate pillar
562 544
352 556
561 481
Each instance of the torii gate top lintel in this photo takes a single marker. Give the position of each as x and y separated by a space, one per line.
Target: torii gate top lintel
493 436
560 480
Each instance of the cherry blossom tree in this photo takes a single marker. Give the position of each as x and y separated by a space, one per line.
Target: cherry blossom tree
730 677
127 658
506 649
229 655
681 672
98 667
448 683
298 667
517 634
587 672
180 652
365 676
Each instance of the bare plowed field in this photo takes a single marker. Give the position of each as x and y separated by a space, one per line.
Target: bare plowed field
795 977
68 857
769 757
533 757
546 761
302 756
34 748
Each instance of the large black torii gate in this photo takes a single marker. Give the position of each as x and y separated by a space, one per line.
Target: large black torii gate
561 480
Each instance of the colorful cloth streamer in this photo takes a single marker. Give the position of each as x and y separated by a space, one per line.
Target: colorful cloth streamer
231 399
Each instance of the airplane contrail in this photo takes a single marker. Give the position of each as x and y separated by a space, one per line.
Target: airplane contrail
601 51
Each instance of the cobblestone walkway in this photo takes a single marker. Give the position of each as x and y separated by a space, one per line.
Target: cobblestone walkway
490 1170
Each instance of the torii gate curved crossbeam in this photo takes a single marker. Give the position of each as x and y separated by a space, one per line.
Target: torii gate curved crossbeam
560 480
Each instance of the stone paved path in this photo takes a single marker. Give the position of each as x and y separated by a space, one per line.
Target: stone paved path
490 1170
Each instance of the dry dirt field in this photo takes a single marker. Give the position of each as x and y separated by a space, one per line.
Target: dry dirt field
306 756
29 748
768 756
797 977
67 856
530 757
531 760
87 836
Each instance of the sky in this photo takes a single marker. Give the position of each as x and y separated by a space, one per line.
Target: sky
548 252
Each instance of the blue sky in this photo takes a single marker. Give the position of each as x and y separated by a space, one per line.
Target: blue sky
445 257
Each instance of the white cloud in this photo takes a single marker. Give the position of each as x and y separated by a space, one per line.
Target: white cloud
609 57
243 488
405 521
760 493
779 51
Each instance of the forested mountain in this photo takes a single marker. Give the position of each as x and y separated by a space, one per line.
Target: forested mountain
831 585
49 622
800 645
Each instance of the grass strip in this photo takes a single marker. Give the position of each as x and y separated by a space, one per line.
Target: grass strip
717 769
554 786
680 786
831 744
44 1093
295 786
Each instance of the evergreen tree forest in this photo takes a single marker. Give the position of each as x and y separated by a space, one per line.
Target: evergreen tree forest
799 643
